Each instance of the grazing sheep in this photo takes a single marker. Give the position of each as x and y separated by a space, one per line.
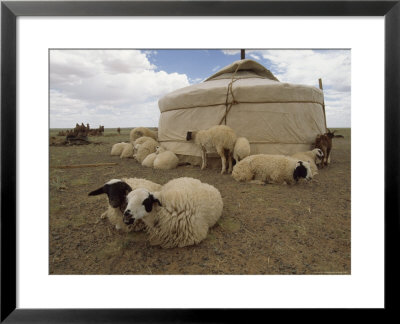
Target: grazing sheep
143 150
221 138
142 131
118 148
266 168
149 160
179 214
324 142
165 160
117 190
241 149
313 157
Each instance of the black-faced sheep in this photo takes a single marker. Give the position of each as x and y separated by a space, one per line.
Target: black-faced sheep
116 191
179 214
313 157
265 168
219 137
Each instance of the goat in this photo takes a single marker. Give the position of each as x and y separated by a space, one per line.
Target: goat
324 143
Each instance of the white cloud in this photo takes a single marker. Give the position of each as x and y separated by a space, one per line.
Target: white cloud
115 88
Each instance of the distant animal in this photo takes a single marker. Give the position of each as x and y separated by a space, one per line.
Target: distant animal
314 157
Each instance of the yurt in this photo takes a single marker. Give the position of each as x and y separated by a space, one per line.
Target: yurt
276 117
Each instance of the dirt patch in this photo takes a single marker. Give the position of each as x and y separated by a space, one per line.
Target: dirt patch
270 229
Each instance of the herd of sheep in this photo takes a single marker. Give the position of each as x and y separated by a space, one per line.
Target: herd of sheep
180 212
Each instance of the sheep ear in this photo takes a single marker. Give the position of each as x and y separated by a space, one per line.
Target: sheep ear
97 192
127 188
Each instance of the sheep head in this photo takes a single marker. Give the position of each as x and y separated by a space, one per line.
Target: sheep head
116 191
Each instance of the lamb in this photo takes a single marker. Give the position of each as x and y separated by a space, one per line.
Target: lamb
314 157
117 190
143 150
265 168
241 149
165 160
142 131
324 142
148 162
179 214
221 138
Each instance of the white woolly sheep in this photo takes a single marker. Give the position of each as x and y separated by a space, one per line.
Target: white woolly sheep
165 160
127 151
118 148
220 137
148 162
178 215
143 150
313 157
265 168
117 190
241 149
142 131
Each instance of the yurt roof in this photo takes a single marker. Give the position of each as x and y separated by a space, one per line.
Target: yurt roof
252 83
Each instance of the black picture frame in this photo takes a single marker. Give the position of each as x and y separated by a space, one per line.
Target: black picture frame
11 10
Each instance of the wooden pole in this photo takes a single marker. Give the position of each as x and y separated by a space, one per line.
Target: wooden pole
242 54
323 103
73 166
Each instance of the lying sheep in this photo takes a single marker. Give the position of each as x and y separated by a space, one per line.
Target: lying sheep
117 190
127 152
118 148
148 162
179 214
143 150
241 149
313 157
265 168
165 160
142 131
220 137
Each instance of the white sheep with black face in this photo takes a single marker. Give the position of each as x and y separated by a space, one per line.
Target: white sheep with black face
267 168
116 191
313 157
178 215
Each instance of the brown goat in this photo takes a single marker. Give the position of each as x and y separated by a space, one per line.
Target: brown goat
324 143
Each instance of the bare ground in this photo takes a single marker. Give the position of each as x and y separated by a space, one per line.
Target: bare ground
264 229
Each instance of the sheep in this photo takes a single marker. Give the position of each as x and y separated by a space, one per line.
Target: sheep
266 168
142 131
165 160
324 142
143 150
313 157
221 138
118 148
241 149
127 152
149 160
117 190
178 215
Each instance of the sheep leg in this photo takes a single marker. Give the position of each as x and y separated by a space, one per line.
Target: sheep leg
328 159
230 161
203 158
221 153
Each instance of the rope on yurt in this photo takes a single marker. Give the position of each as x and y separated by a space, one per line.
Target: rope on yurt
228 105
323 102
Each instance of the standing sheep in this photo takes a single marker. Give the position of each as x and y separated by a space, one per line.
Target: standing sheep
313 157
179 214
142 131
221 138
241 149
267 168
117 190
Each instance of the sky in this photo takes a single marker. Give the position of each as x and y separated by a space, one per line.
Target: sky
121 88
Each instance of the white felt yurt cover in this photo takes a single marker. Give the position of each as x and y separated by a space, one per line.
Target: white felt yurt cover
276 117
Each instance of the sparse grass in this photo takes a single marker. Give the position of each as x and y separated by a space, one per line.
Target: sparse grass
58 183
